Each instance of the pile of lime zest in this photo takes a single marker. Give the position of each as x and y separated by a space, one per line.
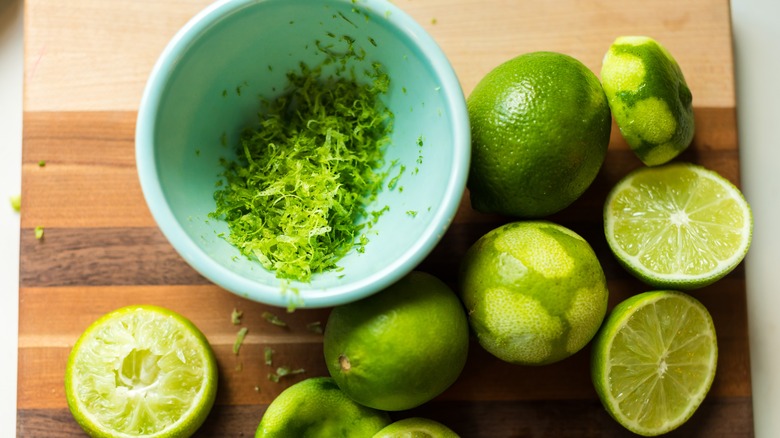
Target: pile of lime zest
295 196
39 232
240 336
268 356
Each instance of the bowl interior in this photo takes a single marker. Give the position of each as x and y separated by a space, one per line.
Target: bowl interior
206 90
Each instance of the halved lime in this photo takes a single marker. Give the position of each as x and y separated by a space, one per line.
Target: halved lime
653 361
677 226
141 371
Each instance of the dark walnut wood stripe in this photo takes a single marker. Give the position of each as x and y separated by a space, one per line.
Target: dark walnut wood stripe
244 377
550 418
101 256
142 256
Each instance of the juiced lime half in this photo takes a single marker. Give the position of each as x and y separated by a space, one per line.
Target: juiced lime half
653 361
141 371
677 226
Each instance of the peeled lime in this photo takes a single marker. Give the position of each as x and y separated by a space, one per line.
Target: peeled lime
649 98
534 291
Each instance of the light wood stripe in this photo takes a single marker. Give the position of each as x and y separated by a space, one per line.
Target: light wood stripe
94 55
90 178
45 339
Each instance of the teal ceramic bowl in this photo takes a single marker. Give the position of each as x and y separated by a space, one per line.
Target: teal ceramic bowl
205 90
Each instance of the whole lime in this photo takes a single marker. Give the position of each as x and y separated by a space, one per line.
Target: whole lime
416 427
534 291
400 347
315 408
540 127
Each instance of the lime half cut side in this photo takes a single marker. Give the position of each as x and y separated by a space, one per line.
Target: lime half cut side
141 371
677 226
654 361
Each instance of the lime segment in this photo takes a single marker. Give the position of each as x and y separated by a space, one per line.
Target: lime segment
677 226
141 371
654 360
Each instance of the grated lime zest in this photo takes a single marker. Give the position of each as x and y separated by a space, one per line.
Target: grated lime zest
295 197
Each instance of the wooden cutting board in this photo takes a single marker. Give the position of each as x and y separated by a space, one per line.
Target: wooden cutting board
85 67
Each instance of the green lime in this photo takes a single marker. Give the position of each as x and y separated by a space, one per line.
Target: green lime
141 371
649 98
534 291
416 427
677 226
654 360
317 408
400 347
540 126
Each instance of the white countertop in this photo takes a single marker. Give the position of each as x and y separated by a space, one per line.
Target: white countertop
11 59
756 25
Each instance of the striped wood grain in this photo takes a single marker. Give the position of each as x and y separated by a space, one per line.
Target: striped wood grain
85 67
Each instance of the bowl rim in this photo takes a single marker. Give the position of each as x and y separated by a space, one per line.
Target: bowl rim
455 107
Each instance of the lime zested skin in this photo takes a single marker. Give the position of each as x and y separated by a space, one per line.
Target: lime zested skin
540 127
534 291
649 98
317 408
400 347
654 361
141 371
677 226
